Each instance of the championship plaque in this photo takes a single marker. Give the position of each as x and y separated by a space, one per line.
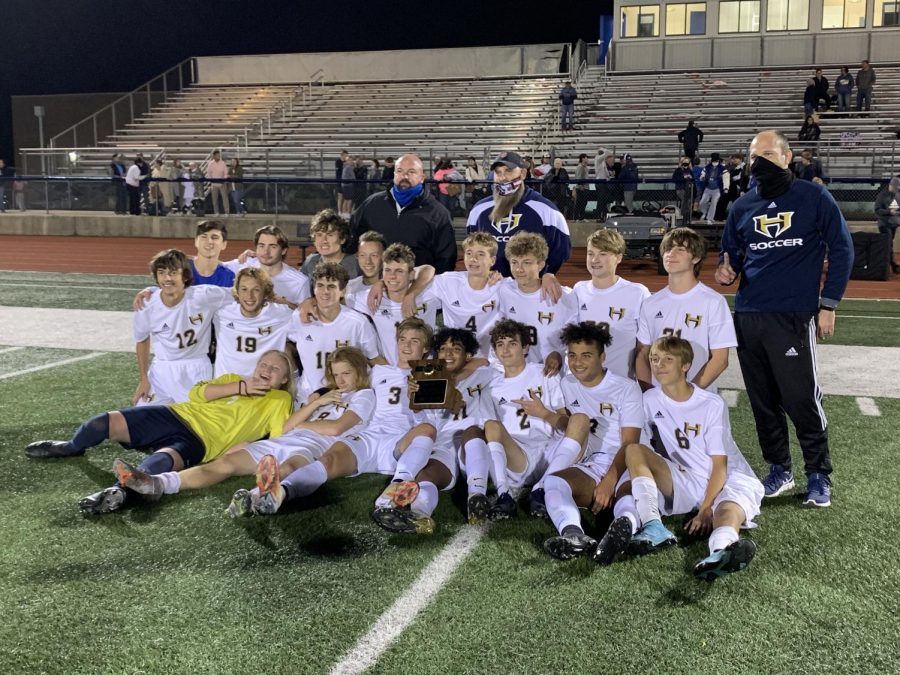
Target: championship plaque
436 390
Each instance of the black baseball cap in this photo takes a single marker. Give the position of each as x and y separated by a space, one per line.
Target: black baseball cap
511 160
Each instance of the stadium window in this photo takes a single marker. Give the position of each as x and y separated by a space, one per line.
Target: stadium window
640 21
686 18
843 14
787 15
739 16
887 13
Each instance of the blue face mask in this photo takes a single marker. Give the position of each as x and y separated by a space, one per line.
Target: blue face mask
504 189
405 196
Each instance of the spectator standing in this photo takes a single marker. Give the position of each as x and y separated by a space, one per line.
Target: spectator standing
133 182
713 187
441 177
737 185
175 174
691 137
556 183
474 175
580 192
146 172
375 175
843 87
408 214
387 173
158 189
19 192
629 177
697 170
683 178
810 131
346 193
360 175
117 173
606 171
236 185
567 97
887 210
865 82
198 196
782 304
821 89
217 174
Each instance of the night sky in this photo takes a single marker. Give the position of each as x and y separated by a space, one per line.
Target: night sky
72 46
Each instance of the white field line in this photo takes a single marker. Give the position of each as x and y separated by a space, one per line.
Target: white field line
7 350
867 406
64 362
730 396
864 316
38 286
369 648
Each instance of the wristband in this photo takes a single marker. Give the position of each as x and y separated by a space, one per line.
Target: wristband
826 308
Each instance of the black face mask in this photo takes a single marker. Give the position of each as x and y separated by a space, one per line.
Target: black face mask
771 180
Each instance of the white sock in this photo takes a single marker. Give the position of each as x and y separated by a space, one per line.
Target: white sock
305 480
646 498
427 499
476 466
414 458
171 482
564 455
560 503
625 506
722 537
498 466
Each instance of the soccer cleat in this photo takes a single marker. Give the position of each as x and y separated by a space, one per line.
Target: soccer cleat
566 547
652 537
241 504
268 482
504 508
779 480
477 507
398 493
403 520
733 558
142 483
613 542
536 505
818 491
51 450
106 501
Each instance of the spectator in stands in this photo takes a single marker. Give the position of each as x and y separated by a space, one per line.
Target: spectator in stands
339 165
146 172
809 168
887 210
408 214
556 186
580 191
360 175
441 176
329 233
217 173
175 174
629 177
117 173
158 190
133 181
697 170
821 89
236 185
19 192
514 208
737 185
345 196
843 87
387 173
691 137
475 190
606 171
543 168
197 199
376 175
713 186
865 82
529 169
810 131
567 97
809 97
683 178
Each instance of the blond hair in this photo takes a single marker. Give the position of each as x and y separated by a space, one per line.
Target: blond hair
357 361
261 277
527 243
481 239
607 241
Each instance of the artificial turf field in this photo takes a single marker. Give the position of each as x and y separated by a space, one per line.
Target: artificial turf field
177 587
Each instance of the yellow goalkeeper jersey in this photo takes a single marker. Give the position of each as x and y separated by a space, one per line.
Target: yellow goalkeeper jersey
225 422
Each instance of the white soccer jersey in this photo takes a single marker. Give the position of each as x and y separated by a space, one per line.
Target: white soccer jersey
316 340
361 402
523 429
701 316
241 340
464 307
543 318
389 314
619 308
614 403
356 295
182 331
392 412
290 283
477 405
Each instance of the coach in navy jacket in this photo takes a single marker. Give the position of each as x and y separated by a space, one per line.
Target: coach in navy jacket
515 208
776 239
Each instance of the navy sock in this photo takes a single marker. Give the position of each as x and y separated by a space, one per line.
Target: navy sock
91 433
158 462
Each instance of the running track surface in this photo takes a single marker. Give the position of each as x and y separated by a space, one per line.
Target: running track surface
126 255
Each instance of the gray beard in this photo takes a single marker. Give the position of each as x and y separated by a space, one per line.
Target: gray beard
504 204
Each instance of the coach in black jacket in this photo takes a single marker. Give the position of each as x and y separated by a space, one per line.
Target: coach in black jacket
408 214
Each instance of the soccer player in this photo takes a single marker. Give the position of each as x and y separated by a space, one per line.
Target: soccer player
604 415
329 233
689 309
523 301
271 247
687 461
220 414
346 407
393 430
250 326
210 241
179 318
517 442
610 300
397 274
336 326
410 499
